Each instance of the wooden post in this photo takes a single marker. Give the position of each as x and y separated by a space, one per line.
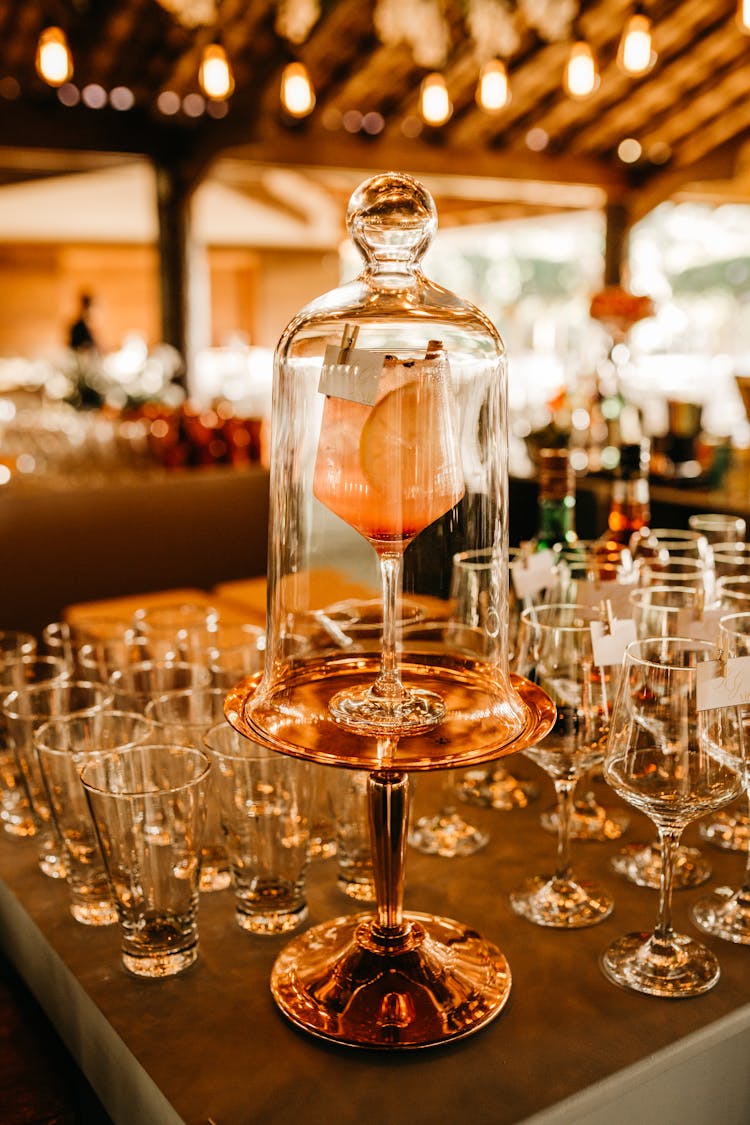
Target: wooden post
616 243
173 192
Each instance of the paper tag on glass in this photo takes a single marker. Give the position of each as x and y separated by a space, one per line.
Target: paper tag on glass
609 642
730 689
703 628
595 593
533 573
355 380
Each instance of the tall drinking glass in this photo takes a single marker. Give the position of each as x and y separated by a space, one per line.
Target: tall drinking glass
718 527
147 804
24 710
15 814
186 717
674 763
64 746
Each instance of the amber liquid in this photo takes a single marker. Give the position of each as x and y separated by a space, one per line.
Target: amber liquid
391 469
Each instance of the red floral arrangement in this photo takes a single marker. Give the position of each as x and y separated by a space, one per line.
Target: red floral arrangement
615 306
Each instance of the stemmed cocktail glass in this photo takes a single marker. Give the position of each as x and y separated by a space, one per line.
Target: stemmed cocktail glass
724 913
674 763
555 649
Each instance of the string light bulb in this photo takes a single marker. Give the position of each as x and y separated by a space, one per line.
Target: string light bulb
297 94
743 16
581 76
435 104
215 74
635 55
493 91
54 61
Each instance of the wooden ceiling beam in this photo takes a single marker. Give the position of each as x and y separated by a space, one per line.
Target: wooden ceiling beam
585 180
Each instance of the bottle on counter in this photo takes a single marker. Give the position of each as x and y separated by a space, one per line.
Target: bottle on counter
630 506
556 519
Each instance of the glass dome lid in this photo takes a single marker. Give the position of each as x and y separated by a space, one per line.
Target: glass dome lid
389 463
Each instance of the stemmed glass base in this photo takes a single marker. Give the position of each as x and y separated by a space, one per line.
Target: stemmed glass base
641 864
496 788
590 821
563 904
447 834
350 981
725 914
727 830
675 967
363 711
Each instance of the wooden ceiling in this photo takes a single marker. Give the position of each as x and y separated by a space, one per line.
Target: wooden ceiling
690 113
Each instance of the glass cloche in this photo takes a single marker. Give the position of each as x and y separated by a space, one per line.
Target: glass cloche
384 650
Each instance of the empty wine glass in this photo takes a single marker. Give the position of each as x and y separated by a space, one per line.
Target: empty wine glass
555 650
447 832
594 573
494 786
724 913
663 611
675 764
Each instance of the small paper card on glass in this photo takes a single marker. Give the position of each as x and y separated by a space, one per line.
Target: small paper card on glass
699 628
533 573
356 379
610 641
723 684
594 593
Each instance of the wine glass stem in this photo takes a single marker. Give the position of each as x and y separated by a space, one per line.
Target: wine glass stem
565 790
669 840
389 814
388 684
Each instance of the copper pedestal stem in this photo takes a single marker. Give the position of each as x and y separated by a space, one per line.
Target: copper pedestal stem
389 816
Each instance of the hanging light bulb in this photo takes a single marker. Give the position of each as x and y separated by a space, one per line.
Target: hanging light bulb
493 92
54 62
297 94
635 54
743 16
215 74
434 102
581 76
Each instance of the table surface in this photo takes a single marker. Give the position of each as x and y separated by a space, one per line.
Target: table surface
210 1048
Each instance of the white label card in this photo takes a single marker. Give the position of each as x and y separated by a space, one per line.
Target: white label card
729 690
609 643
703 628
533 573
594 593
355 380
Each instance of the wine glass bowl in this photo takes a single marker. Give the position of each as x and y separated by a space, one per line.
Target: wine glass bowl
675 764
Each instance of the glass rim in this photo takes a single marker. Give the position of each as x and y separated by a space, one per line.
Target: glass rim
76 717
139 794
733 617
47 686
686 643
530 613
250 747
664 589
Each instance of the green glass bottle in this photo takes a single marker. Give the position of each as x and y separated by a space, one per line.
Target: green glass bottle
556 521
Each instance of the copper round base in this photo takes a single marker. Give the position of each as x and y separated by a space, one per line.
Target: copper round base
342 982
